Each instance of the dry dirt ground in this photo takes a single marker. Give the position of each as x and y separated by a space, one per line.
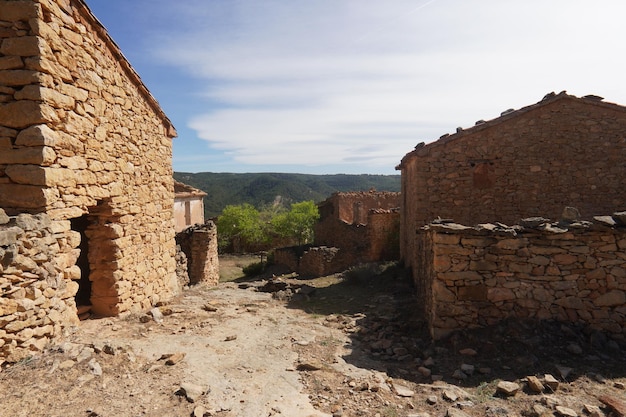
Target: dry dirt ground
333 346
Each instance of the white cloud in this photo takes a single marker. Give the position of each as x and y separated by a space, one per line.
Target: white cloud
362 81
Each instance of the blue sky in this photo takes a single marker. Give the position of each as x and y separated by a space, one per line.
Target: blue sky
351 86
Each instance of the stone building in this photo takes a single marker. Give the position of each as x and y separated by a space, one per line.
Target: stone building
562 151
364 223
188 206
354 227
85 150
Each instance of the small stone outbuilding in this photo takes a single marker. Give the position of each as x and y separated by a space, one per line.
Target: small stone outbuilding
85 176
188 206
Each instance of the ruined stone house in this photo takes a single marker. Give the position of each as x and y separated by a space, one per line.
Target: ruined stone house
188 206
85 176
526 164
562 151
364 223
354 227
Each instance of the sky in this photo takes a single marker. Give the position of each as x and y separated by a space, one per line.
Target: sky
351 86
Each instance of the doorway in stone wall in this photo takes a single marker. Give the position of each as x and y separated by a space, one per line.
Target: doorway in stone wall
97 293
82 298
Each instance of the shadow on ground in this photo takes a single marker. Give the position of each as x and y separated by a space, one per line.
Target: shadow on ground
380 315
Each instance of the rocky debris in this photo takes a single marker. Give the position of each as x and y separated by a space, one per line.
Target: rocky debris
455 412
192 392
310 365
468 352
199 411
449 395
507 388
401 390
616 405
593 410
551 382
210 307
95 367
171 359
565 411
535 385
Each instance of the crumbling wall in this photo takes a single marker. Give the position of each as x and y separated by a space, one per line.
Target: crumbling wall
353 207
198 245
38 282
314 261
383 235
474 277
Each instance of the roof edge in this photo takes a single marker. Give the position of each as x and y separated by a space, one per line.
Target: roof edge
549 98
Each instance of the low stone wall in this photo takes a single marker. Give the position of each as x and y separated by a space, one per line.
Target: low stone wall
199 246
474 277
313 261
38 278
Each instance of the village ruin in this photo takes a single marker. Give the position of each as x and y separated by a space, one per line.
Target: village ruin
89 209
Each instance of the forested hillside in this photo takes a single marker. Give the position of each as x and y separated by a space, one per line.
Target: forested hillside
267 188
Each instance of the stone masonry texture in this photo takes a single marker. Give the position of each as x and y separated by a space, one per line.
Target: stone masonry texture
85 145
470 277
562 151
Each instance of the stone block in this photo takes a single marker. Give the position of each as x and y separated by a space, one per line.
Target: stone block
50 96
14 11
24 113
41 155
11 62
38 135
19 77
22 46
4 219
9 236
473 293
25 196
611 299
500 294
460 275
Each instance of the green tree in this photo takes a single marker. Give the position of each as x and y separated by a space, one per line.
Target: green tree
298 222
241 225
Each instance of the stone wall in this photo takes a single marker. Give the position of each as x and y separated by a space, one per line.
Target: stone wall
383 235
562 151
363 224
38 282
474 277
314 261
82 140
352 244
199 245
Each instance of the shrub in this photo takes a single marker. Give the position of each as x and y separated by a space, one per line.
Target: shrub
255 268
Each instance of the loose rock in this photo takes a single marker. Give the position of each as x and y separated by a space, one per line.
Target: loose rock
565 412
191 391
507 388
535 385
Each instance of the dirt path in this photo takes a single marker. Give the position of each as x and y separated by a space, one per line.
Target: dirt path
341 348
242 353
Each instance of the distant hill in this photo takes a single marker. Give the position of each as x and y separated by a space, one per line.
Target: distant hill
267 188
